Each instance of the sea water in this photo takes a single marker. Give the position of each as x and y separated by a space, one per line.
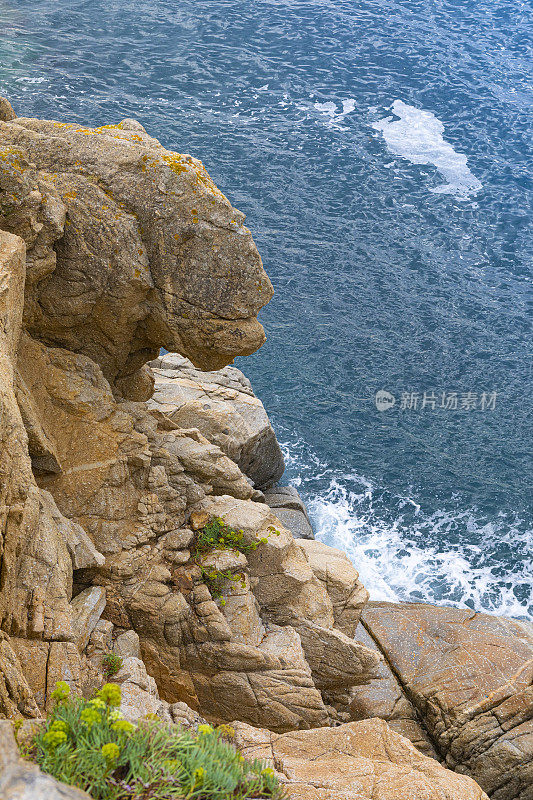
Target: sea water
381 151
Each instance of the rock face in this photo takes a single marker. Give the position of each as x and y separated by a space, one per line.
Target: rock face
20 780
357 761
123 247
110 248
287 505
124 239
384 697
470 678
223 407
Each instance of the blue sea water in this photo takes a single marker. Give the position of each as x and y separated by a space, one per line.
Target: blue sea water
381 150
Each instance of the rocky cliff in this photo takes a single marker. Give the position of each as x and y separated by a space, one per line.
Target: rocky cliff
112 247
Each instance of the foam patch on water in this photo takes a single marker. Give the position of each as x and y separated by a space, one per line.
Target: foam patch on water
418 137
403 554
331 111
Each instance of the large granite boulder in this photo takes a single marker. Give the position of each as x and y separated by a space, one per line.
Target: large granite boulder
341 581
224 408
383 697
356 761
469 676
131 247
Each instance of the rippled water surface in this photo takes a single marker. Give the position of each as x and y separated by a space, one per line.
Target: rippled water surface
381 151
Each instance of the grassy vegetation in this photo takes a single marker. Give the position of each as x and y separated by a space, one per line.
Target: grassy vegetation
86 743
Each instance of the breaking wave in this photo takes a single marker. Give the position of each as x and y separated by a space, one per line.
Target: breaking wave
447 557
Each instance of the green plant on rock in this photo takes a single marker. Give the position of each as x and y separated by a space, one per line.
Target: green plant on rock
216 535
86 743
111 664
215 579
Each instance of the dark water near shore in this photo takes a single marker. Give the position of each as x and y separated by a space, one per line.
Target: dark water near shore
398 239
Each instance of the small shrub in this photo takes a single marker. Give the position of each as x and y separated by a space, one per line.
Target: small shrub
215 579
85 743
111 664
216 535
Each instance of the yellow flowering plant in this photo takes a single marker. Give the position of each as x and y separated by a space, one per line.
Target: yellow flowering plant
85 743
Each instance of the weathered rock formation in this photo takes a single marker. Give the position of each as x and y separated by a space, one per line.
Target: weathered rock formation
288 507
110 248
123 248
357 761
224 408
124 242
470 677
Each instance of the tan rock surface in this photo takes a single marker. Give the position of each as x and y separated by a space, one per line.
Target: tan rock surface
384 697
139 692
39 546
118 298
470 677
21 780
338 575
290 509
356 761
87 608
225 410
16 697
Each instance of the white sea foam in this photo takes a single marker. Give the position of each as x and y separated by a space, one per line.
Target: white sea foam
331 111
418 137
402 553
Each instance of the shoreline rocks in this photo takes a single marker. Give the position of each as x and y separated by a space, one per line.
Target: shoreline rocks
470 678
290 509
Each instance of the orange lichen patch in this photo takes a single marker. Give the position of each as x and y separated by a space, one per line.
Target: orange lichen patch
179 163
70 195
176 162
11 156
